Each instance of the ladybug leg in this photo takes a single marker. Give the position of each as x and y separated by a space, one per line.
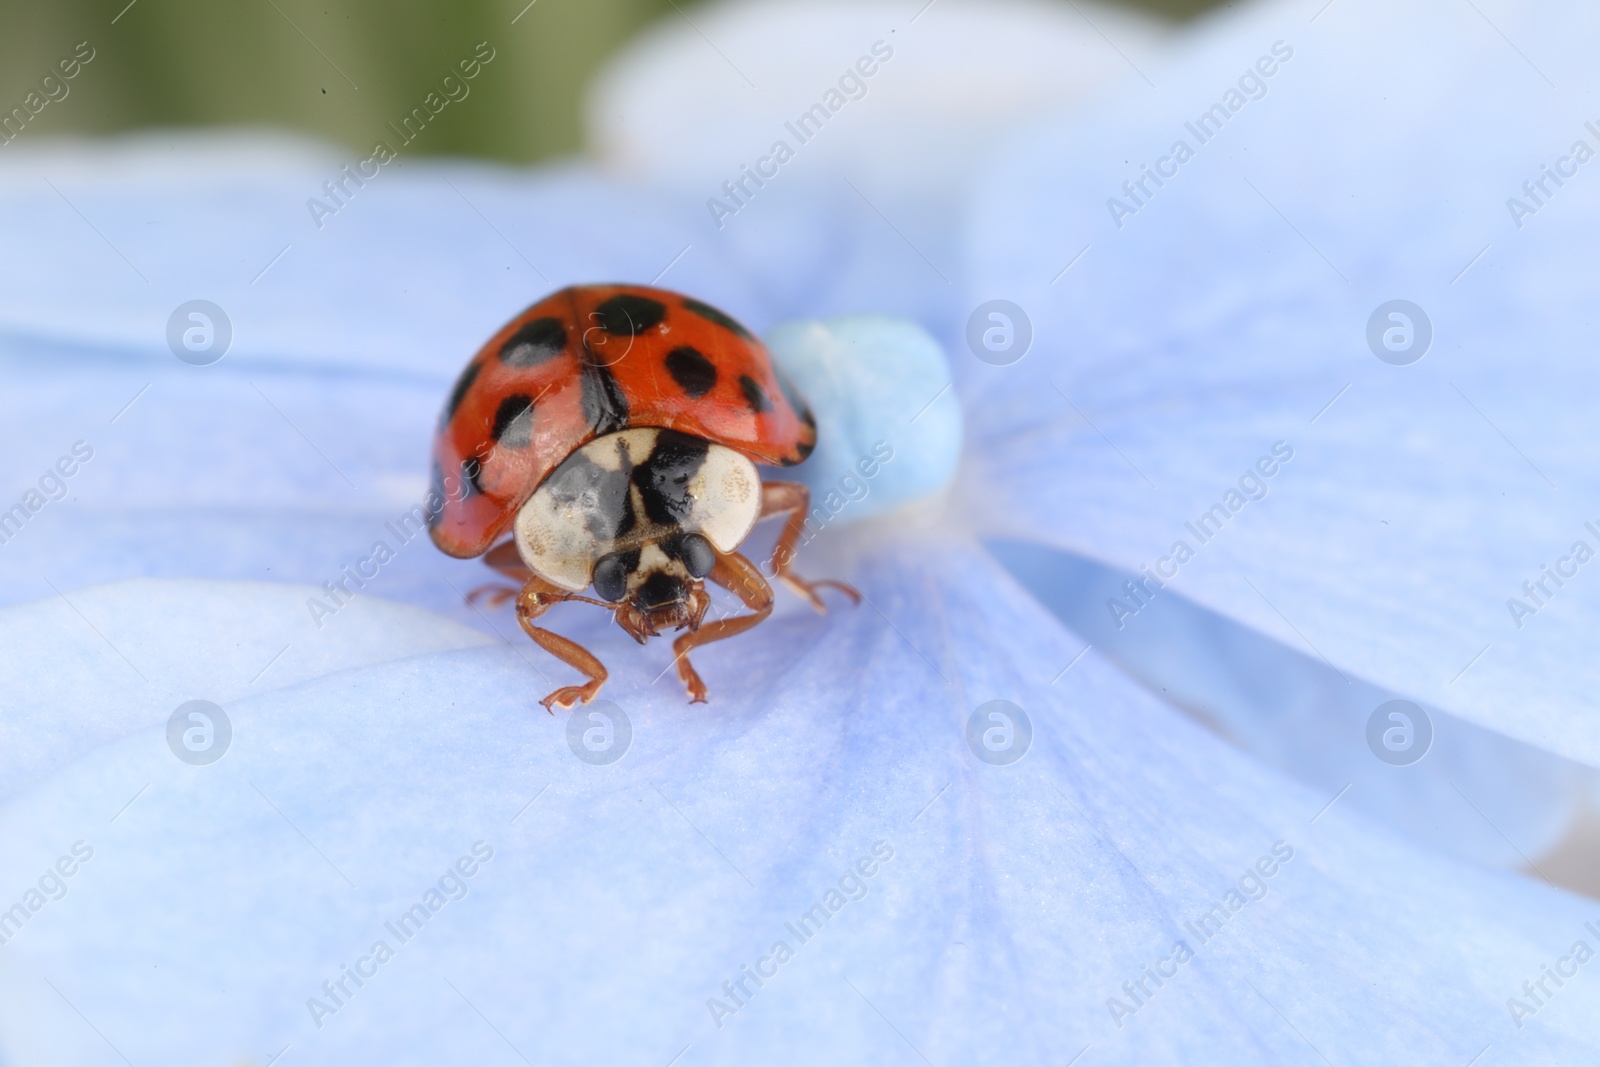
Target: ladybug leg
735 573
778 498
503 558
536 598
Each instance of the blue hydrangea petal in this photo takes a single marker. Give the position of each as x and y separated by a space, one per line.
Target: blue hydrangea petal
1463 789
90 665
619 898
1231 313
288 457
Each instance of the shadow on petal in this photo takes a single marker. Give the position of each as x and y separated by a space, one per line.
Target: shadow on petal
1474 793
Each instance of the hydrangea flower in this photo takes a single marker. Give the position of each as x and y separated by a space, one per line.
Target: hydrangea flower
398 858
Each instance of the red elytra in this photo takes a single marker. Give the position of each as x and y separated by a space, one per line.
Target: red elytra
592 360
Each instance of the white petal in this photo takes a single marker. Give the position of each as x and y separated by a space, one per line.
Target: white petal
692 102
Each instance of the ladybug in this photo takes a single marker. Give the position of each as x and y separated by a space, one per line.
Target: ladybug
613 432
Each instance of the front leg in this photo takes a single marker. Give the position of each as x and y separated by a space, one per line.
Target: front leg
536 598
735 573
503 558
778 498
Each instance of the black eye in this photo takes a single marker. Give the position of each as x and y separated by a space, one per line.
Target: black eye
611 576
697 555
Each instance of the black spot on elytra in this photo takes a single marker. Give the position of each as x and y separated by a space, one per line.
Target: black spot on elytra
663 479
513 421
661 590
459 392
695 374
605 408
754 395
601 495
611 574
538 341
804 450
471 469
721 318
628 314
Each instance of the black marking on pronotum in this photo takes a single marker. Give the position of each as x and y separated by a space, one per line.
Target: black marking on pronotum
605 408
695 374
538 341
600 494
663 479
628 315
459 392
513 421
754 395
721 318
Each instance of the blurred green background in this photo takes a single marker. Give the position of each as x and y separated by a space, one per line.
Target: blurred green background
338 69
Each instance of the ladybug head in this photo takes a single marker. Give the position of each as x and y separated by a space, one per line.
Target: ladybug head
657 586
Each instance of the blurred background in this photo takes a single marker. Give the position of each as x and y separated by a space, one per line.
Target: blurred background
340 70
